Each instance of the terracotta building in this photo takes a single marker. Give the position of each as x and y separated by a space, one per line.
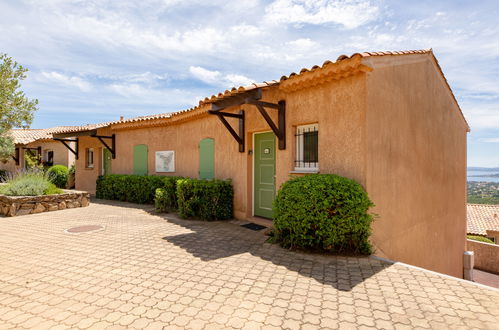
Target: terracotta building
387 120
483 220
39 144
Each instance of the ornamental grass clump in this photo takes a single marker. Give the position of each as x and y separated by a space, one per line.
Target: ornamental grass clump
323 212
30 183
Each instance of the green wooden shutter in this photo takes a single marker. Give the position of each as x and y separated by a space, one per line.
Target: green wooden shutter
207 159
107 156
140 159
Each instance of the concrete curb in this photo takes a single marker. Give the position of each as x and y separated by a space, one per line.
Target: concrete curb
436 273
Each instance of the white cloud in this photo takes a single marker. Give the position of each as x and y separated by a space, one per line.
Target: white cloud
349 13
216 78
62 79
481 116
303 43
210 77
490 140
139 95
236 80
246 30
146 77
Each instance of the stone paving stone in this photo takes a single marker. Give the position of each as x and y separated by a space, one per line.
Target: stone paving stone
152 271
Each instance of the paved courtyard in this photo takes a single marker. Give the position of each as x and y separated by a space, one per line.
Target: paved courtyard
145 271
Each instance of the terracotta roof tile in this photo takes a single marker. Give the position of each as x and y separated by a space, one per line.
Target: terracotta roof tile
26 136
74 129
482 217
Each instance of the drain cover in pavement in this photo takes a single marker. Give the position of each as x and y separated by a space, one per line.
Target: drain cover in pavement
253 226
84 229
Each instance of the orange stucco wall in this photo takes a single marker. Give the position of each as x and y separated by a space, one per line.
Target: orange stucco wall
395 130
62 156
337 107
416 164
85 178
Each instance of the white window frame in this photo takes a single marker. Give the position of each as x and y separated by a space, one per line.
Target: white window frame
309 166
87 158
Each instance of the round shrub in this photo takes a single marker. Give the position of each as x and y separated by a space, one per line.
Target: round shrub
323 211
59 175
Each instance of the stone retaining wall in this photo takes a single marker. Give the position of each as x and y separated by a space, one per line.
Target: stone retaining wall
21 205
486 255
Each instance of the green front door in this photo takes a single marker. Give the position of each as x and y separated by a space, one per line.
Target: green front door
106 161
264 174
140 159
207 159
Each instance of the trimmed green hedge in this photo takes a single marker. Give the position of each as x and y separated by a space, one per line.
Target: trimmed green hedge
165 199
131 188
59 175
205 199
323 211
480 239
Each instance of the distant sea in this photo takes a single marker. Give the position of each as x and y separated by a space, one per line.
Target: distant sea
483 174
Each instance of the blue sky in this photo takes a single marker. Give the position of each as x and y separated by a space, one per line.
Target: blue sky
93 61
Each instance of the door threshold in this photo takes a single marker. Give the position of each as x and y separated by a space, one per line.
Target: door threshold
261 221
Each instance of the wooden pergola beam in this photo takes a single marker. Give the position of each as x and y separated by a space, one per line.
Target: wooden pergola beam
252 97
65 142
239 137
111 148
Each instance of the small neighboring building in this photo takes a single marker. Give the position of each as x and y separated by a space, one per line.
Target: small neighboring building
40 145
483 220
387 120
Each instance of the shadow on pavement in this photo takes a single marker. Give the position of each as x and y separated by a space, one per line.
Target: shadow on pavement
220 239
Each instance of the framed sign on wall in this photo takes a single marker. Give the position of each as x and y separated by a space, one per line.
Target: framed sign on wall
165 161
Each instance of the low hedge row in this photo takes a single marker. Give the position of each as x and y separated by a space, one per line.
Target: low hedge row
131 188
204 199
165 198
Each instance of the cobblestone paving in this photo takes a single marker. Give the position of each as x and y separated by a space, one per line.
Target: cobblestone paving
144 271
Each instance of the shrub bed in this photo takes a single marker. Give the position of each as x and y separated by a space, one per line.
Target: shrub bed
31 183
59 175
323 211
205 199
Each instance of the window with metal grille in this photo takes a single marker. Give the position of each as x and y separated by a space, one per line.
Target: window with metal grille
307 147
